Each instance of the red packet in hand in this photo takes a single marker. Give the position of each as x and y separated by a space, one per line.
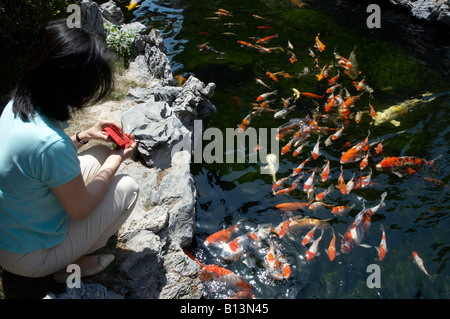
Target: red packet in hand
118 136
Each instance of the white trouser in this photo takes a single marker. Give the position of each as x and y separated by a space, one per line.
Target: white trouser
83 236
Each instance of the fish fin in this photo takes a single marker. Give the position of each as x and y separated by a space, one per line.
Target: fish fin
398 174
365 246
249 261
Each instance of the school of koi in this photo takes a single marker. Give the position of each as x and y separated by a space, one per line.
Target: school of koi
335 106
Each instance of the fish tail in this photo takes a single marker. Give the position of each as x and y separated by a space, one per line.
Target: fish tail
193 258
434 160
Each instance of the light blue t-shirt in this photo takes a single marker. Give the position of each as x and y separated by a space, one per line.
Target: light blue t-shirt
35 156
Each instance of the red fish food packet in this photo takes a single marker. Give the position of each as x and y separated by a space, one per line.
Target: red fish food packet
118 136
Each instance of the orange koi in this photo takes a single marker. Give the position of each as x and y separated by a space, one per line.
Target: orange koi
226 276
359 85
333 80
221 236
333 88
284 228
279 182
319 45
373 114
382 249
322 74
284 191
292 206
404 161
321 196
312 95
276 263
330 105
271 76
287 147
263 27
355 153
364 162
331 252
341 182
266 39
293 57
350 101
379 148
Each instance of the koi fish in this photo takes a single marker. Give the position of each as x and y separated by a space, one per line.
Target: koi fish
349 102
333 80
133 5
292 206
208 48
419 262
276 264
316 149
221 236
266 39
263 27
223 275
341 182
358 116
299 149
321 196
410 163
319 45
372 113
329 105
379 148
271 76
359 85
305 72
331 251
290 46
296 94
382 249
223 12
341 210
293 57
311 53
312 95
264 96
236 249
312 251
326 171
317 205
364 162
322 74
284 228
280 182
350 184
309 182
333 88
309 237
262 83
355 153
356 231
338 133
300 167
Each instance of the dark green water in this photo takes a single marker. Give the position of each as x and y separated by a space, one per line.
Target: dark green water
416 213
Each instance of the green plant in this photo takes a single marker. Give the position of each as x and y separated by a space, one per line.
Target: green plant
120 39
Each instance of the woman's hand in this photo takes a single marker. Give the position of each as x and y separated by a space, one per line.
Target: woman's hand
128 152
97 131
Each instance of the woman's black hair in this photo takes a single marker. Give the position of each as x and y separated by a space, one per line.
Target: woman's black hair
68 68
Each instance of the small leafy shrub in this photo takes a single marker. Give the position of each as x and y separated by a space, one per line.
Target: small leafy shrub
120 40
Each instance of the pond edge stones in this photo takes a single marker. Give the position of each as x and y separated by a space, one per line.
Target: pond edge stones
150 262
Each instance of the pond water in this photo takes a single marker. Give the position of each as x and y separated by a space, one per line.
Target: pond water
400 61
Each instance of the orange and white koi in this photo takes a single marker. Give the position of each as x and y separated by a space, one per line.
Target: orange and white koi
312 251
357 230
382 249
287 147
321 196
364 162
322 75
338 133
359 85
358 116
208 48
309 237
276 264
300 167
349 102
295 183
341 210
329 105
309 182
284 191
299 149
419 262
221 236
333 80
319 45
285 228
341 182
280 182
350 184
333 88
223 13
325 171
331 251
316 149
311 53
379 148
317 205
372 113
266 39
265 96
223 275
355 153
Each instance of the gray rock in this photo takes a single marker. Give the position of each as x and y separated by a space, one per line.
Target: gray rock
91 18
430 10
112 13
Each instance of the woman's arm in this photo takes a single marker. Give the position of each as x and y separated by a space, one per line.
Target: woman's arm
96 132
78 199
